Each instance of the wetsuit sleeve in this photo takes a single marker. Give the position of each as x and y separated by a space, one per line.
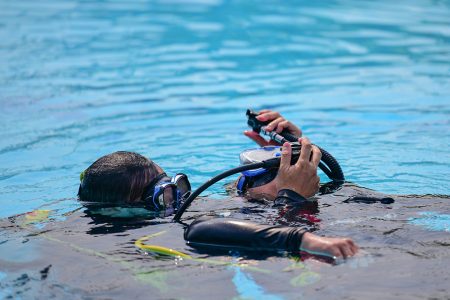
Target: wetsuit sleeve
289 197
233 233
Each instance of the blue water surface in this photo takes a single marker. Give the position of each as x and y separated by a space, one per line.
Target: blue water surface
367 80
432 221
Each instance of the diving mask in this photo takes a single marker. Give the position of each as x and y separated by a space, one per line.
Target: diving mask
166 192
261 176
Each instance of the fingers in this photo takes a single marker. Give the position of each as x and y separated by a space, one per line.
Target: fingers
342 248
346 250
353 246
285 162
348 247
274 124
256 137
274 143
277 122
282 125
268 115
305 153
336 252
317 183
331 247
263 111
340 252
316 156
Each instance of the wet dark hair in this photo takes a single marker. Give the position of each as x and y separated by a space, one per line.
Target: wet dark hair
119 177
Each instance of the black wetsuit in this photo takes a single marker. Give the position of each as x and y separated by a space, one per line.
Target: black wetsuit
234 233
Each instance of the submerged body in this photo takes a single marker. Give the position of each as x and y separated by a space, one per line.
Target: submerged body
401 247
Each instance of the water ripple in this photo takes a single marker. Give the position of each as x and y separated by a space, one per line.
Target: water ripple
369 81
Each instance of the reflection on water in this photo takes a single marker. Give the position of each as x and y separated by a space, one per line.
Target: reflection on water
368 81
432 221
89 255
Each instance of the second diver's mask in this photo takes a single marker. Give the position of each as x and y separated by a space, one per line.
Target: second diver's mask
261 176
166 193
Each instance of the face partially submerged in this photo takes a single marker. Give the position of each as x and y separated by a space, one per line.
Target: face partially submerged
127 178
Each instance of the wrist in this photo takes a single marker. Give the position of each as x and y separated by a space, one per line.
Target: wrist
289 197
306 238
286 187
291 194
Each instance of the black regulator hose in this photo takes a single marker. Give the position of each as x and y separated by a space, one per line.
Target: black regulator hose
330 166
270 163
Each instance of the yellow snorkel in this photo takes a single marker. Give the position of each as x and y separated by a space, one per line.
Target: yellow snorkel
159 249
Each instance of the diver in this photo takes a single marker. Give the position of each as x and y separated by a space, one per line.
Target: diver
130 179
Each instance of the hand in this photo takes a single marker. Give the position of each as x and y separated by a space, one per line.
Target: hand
331 247
302 176
278 124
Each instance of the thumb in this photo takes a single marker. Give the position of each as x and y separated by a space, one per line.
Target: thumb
256 138
285 162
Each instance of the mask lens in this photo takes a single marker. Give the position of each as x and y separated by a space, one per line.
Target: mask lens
259 154
169 192
183 185
161 200
264 178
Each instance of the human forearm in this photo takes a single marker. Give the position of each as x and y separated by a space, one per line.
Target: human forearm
233 233
241 234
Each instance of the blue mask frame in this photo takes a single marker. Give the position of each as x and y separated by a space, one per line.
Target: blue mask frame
253 178
154 198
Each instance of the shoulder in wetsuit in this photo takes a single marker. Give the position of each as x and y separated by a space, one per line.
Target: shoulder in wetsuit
233 233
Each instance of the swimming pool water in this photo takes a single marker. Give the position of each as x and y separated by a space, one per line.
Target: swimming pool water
404 254
368 81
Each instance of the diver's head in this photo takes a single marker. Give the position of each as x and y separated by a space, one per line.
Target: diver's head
119 177
128 178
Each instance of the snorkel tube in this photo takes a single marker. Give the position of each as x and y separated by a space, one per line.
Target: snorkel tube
330 166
